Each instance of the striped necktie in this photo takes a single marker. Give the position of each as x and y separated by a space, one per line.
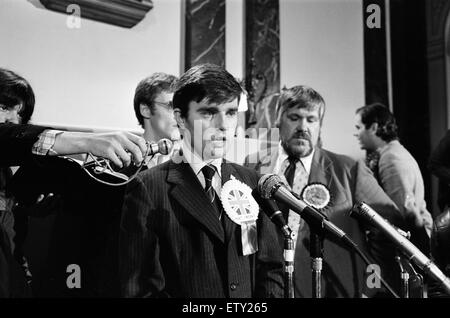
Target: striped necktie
208 173
297 183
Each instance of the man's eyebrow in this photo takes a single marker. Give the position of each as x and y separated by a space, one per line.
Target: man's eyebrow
208 108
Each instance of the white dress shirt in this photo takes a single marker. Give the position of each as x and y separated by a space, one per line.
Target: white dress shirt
283 162
197 164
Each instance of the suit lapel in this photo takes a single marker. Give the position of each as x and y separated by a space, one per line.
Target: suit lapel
227 171
189 193
321 170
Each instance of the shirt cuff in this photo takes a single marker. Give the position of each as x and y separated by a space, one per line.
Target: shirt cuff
45 143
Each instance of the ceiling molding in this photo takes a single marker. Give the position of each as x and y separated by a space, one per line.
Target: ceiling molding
124 13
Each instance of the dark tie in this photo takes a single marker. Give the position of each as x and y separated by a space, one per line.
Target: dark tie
208 173
290 170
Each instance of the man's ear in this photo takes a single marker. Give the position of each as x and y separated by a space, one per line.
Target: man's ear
373 128
145 111
179 119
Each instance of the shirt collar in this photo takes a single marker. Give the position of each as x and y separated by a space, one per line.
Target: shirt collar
387 145
306 161
196 163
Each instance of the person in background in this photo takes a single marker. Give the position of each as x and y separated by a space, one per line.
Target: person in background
24 144
300 160
397 171
154 111
439 165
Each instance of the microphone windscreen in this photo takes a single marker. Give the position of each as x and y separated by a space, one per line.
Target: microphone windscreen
267 185
267 205
360 210
165 146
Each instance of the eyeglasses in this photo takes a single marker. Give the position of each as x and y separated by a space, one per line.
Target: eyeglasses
18 108
168 105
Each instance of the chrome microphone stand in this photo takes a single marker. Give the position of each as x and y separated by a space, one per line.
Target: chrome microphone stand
316 251
404 278
408 274
288 255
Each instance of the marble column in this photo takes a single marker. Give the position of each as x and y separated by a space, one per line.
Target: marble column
262 61
205 32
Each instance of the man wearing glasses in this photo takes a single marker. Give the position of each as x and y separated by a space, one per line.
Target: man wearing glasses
154 111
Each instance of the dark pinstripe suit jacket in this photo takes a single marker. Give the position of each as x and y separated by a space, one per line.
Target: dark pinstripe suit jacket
172 243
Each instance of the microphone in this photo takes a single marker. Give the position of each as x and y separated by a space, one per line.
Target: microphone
164 147
363 211
273 212
270 207
270 186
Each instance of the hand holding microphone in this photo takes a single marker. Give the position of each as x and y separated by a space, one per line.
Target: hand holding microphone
96 168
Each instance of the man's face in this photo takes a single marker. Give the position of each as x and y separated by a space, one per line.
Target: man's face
209 127
162 118
364 135
299 130
10 114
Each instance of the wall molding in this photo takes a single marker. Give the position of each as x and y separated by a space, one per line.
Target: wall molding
123 13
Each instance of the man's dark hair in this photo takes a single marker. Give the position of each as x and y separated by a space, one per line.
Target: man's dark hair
148 89
207 82
300 96
380 114
15 90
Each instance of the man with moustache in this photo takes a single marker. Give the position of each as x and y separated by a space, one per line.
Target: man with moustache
176 238
300 160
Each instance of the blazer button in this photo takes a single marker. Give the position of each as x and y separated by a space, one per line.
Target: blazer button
233 286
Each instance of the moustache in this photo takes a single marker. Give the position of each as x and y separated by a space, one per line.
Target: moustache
218 138
302 134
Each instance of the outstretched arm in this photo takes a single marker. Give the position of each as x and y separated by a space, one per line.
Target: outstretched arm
21 141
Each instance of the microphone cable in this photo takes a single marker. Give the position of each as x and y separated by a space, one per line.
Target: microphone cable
104 167
368 262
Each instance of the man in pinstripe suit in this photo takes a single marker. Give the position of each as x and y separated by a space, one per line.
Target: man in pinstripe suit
176 240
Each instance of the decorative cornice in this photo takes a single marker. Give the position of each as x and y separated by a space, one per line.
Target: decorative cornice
124 13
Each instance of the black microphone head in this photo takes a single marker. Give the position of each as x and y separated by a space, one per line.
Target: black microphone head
165 146
270 208
358 210
268 184
267 205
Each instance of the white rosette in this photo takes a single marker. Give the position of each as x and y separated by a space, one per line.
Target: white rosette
242 209
316 195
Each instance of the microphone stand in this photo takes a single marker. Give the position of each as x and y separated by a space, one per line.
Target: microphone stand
415 282
316 252
404 278
288 255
